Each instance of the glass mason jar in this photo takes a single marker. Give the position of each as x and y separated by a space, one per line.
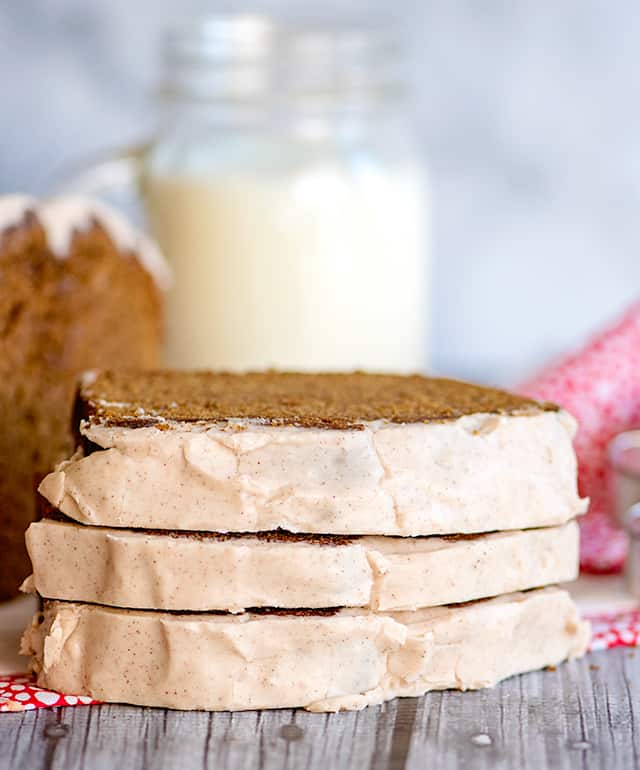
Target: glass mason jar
285 186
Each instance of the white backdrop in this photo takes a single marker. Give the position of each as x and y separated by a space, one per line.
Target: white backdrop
530 117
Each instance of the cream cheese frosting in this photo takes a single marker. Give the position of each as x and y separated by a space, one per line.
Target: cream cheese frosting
479 473
146 570
324 663
62 216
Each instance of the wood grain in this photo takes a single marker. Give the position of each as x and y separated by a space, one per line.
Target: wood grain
586 714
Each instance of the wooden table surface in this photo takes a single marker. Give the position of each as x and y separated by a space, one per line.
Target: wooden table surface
585 714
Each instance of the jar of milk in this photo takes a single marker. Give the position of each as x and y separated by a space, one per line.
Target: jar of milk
285 186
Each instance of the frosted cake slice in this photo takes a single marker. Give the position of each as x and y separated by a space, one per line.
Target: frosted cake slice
207 571
323 661
344 454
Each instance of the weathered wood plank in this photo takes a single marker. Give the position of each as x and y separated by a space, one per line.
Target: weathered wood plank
585 714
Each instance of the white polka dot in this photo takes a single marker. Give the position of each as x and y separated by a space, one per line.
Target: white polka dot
71 699
28 706
17 687
22 696
46 697
84 699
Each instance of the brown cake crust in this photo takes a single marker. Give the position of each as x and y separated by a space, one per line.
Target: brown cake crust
333 401
300 612
47 511
59 316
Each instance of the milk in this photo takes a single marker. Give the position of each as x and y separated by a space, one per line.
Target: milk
324 267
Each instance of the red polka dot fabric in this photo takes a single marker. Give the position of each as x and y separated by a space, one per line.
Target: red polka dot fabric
600 386
18 692
609 631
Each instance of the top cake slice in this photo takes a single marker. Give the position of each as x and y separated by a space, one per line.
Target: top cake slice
318 453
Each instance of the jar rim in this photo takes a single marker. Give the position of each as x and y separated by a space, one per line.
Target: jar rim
245 56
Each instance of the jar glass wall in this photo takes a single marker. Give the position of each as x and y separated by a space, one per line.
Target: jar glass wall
287 189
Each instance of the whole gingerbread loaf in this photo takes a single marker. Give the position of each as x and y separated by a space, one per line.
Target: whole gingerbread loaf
80 288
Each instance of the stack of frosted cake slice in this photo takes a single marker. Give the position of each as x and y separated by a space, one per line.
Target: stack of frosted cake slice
267 540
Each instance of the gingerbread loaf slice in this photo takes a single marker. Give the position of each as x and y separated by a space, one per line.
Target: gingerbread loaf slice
80 289
147 569
337 454
320 660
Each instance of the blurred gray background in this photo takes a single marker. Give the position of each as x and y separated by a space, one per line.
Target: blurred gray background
530 119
